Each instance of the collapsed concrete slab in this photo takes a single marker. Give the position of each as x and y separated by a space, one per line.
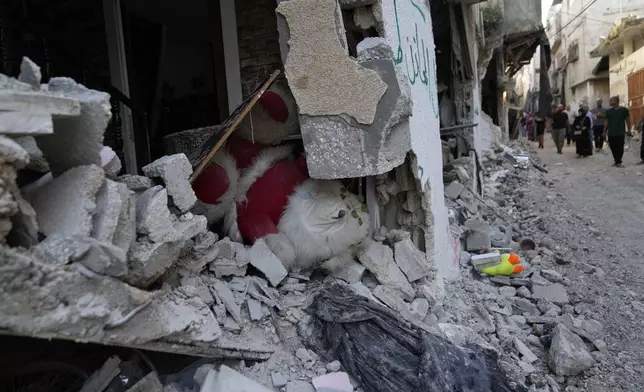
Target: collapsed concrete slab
326 81
78 140
173 317
569 355
344 267
66 204
340 147
136 183
43 298
379 260
175 171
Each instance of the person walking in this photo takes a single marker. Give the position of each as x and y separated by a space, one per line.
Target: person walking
581 129
598 128
616 118
571 119
541 128
559 127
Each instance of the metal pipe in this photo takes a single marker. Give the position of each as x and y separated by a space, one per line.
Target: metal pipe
457 127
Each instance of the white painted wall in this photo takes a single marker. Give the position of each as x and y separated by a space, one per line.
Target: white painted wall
619 71
407 22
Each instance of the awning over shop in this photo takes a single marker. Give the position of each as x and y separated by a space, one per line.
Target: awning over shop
519 49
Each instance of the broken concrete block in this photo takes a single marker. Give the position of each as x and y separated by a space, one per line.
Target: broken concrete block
412 262
104 258
299 386
175 171
262 258
479 236
125 232
482 261
25 123
379 260
30 73
39 103
173 317
228 299
65 205
555 293
433 293
526 354
189 225
202 289
278 379
136 183
109 203
568 355
43 298
60 250
229 380
149 383
344 267
78 140
224 267
372 48
355 90
338 381
149 260
37 161
152 212
454 190
391 298
419 308
254 309
341 148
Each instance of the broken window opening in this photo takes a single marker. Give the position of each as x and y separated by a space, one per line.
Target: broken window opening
359 23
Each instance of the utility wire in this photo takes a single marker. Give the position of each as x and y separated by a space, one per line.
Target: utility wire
574 17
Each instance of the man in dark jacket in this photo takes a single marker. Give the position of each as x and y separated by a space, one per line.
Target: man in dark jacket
617 121
559 127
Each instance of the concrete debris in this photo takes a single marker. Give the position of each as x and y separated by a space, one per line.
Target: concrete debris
228 299
149 383
454 190
136 183
412 262
379 260
337 381
479 236
109 205
569 355
526 354
152 213
262 258
149 260
30 73
555 293
228 380
344 267
254 309
479 262
78 140
175 171
278 379
390 297
419 308
65 205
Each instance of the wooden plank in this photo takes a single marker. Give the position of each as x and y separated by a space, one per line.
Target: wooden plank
212 145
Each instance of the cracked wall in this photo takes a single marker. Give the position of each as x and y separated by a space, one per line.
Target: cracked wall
353 111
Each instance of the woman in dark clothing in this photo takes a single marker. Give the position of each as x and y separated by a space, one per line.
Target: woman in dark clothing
581 133
541 129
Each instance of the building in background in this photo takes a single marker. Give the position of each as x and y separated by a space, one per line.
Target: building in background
575 28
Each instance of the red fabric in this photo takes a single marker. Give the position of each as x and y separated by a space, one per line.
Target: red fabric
211 184
267 198
244 151
274 106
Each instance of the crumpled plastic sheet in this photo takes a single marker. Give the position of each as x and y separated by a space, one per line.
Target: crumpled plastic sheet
387 354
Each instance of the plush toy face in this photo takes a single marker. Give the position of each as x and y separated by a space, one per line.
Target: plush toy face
322 220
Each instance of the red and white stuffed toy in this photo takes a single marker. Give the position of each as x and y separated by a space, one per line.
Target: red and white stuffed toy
262 192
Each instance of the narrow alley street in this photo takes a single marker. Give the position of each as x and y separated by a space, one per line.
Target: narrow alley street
597 215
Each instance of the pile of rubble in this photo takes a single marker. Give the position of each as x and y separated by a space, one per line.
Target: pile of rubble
542 333
120 259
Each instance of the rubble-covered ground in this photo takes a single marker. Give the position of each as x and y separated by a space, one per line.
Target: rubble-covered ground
594 213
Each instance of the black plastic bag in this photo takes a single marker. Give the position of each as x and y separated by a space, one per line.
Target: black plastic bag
388 354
